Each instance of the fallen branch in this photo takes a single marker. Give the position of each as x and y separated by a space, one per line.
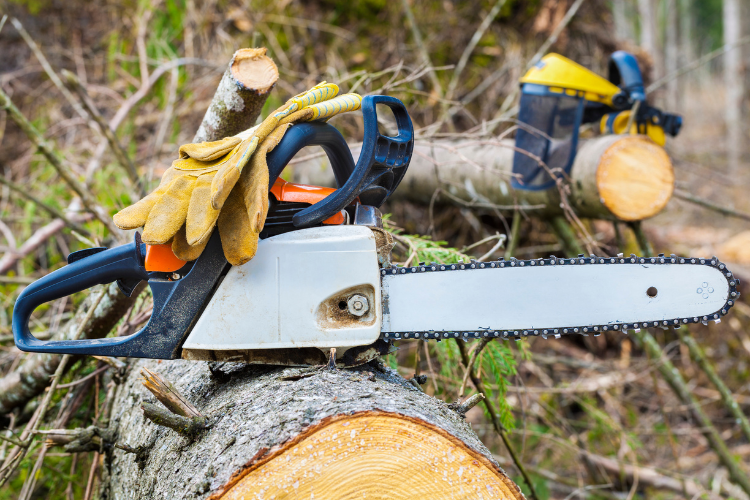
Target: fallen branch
726 395
56 161
33 374
646 475
40 236
22 191
709 205
72 82
672 376
495 418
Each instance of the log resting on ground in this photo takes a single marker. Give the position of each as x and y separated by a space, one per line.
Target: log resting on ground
299 433
622 177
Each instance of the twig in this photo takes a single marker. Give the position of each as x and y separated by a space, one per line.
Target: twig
48 68
555 33
121 155
474 354
35 240
168 395
21 191
683 392
187 426
422 49
500 242
32 427
515 228
429 365
168 114
486 22
471 402
56 161
697 63
494 417
643 244
84 379
726 395
310 23
136 97
711 206
565 234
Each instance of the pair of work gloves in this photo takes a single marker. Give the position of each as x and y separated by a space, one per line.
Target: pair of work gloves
225 182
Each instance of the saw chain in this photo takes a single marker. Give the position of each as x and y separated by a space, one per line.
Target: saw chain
581 260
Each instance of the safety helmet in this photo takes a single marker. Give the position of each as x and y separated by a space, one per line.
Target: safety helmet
558 95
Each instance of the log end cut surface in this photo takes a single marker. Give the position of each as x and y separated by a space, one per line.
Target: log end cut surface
635 178
254 69
374 455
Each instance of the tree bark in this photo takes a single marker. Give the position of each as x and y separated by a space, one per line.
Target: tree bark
240 96
613 177
298 433
733 85
650 35
671 58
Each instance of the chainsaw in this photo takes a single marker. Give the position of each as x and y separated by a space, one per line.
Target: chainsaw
322 278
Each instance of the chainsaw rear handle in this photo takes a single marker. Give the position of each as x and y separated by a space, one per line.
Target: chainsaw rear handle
177 303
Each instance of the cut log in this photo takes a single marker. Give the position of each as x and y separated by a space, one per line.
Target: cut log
240 96
300 433
622 177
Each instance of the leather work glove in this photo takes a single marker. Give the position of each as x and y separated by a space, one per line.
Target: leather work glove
181 210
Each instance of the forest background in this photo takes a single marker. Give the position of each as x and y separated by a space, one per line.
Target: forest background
589 417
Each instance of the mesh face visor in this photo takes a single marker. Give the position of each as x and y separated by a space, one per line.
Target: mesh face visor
547 136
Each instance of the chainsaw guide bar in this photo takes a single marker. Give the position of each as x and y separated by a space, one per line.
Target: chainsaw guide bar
704 291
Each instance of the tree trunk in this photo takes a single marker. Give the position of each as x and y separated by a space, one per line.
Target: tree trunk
613 177
650 35
299 433
733 85
623 26
671 54
240 96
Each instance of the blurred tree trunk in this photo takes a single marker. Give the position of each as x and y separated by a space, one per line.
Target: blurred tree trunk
623 24
687 47
649 35
671 54
733 84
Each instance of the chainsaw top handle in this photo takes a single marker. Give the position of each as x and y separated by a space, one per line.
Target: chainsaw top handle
378 172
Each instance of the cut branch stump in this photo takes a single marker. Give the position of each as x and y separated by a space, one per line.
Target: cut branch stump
239 99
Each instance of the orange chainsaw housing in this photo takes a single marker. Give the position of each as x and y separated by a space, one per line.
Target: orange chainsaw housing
160 258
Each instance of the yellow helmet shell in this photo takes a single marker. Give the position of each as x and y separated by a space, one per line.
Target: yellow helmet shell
563 76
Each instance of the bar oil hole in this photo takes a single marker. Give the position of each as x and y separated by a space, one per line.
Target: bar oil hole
342 305
651 292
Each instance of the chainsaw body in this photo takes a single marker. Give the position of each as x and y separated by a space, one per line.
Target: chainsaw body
309 244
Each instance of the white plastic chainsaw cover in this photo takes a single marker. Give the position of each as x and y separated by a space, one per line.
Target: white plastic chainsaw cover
294 293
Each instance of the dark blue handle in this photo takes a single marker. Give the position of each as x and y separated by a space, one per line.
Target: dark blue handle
177 304
312 134
380 168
